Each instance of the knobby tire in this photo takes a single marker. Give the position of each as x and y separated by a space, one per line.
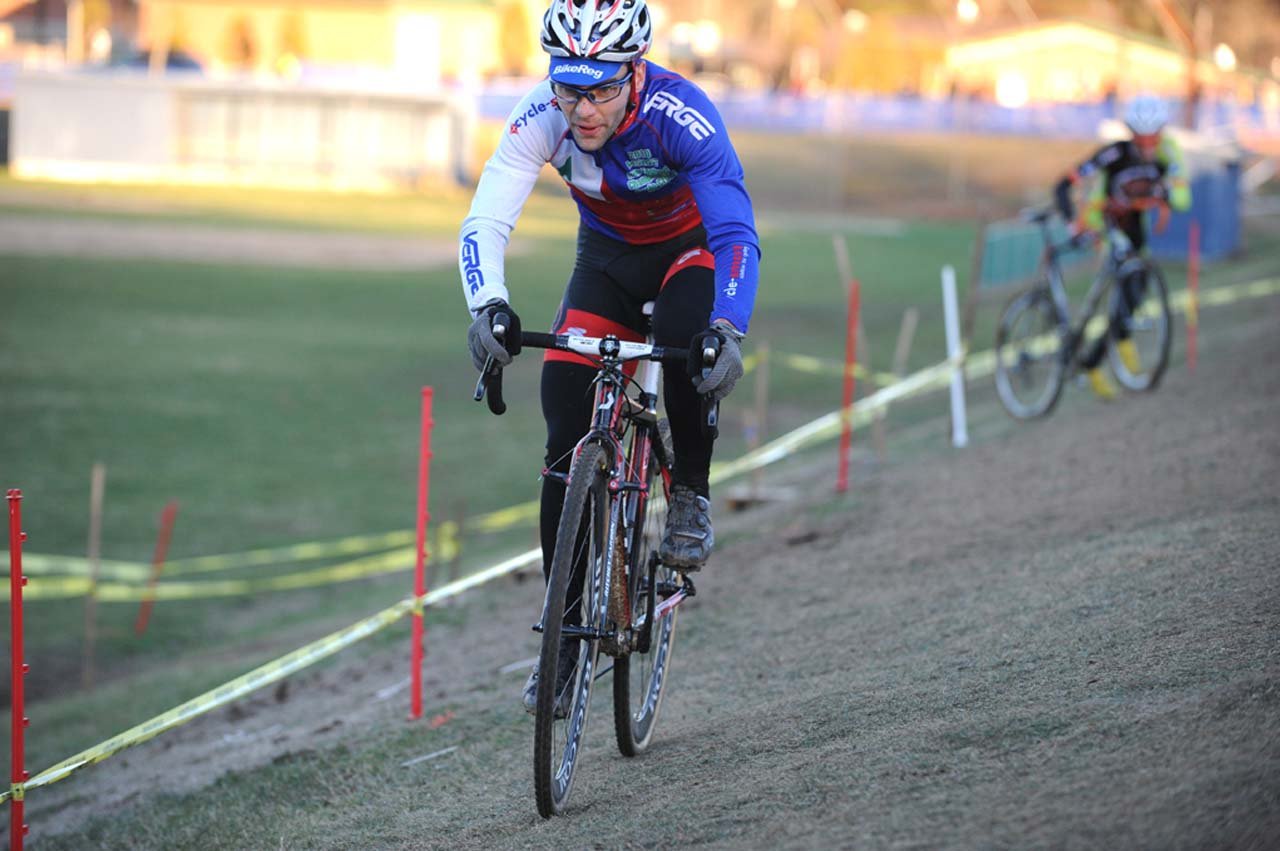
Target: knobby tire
639 678
586 500
1037 304
1150 378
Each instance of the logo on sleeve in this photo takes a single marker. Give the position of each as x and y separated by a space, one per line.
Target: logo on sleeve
471 263
531 113
685 116
737 269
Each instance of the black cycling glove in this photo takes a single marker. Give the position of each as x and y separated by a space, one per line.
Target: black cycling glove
482 342
724 374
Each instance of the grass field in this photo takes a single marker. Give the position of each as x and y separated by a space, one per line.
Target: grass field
280 406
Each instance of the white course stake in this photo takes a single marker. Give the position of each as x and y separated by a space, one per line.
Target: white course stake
959 431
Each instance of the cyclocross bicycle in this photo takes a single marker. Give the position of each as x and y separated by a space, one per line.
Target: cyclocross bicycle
621 600
1037 344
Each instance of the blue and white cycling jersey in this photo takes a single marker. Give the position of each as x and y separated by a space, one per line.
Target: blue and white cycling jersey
669 168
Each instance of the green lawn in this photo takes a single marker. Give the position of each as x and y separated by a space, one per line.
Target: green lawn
280 406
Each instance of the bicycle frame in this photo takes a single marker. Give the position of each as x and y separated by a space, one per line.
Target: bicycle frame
614 413
1120 251
610 495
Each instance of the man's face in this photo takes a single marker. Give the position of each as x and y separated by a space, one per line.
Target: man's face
593 124
1147 145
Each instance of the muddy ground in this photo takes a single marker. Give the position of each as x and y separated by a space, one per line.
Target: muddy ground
1063 636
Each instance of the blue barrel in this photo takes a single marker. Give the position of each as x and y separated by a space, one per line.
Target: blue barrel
1215 204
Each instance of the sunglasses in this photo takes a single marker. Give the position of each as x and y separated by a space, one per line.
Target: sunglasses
602 93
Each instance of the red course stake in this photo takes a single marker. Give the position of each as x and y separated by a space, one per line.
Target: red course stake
17 671
419 570
167 517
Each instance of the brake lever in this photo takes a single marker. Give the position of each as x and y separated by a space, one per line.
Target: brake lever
710 406
491 375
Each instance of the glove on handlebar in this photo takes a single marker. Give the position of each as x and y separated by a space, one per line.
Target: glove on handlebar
482 342
724 374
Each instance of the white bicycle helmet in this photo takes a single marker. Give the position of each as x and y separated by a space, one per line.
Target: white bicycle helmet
600 30
1146 115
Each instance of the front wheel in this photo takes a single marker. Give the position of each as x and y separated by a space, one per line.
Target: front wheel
1141 330
639 676
566 666
1030 364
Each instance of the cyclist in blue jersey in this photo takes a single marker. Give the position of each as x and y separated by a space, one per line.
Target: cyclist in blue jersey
665 217
1148 165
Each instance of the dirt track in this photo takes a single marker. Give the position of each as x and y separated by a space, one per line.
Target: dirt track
1064 636
150 240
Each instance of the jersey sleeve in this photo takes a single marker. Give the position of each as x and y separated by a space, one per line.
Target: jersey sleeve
1103 157
505 183
707 159
1091 216
1170 153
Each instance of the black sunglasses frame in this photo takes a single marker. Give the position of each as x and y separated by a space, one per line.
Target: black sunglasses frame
580 93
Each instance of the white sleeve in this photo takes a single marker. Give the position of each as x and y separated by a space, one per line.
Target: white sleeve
532 132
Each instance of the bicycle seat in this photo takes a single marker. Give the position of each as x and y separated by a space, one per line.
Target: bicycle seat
1035 215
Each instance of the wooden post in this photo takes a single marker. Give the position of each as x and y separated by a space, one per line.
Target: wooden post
863 354
454 555
974 292
761 411
864 358
97 482
846 407
843 266
906 335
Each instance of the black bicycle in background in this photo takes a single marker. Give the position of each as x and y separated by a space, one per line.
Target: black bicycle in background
614 509
1038 346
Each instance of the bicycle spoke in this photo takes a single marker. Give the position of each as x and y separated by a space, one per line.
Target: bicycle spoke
566 665
1140 342
640 676
1029 360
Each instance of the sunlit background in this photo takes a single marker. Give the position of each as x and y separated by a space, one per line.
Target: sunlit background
263 92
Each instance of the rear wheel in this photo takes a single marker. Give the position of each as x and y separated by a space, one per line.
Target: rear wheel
639 676
1148 330
565 678
1029 359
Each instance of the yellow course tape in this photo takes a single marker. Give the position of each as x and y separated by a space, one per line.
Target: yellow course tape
976 365
828 425
810 364
295 552
806 363
34 564
266 674
223 694
820 429
40 588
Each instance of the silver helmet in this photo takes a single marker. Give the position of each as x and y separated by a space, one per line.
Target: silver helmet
1146 115
604 30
